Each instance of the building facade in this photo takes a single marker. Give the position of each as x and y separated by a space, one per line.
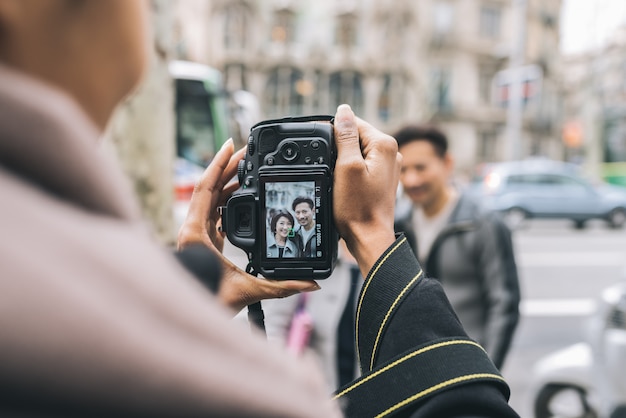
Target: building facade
595 109
394 62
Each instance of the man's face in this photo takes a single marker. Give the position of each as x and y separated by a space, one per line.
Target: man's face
424 174
304 214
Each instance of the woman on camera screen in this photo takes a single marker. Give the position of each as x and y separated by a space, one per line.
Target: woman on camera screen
281 246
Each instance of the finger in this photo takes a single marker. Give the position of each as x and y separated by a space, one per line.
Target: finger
346 135
372 138
227 175
222 198
227 191
239 289
201 199
273 289
365 131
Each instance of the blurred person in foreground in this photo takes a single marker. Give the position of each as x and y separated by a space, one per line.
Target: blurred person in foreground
467 249
96 319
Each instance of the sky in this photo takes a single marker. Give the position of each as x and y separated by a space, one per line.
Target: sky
586 24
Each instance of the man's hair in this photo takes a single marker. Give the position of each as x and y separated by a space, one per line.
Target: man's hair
275 218
301 199
428 133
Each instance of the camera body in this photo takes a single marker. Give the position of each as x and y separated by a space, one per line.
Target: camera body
281 215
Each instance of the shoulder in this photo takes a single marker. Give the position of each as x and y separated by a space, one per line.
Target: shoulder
290 244
469 208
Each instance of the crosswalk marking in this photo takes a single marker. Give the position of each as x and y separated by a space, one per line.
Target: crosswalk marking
558 307
571 258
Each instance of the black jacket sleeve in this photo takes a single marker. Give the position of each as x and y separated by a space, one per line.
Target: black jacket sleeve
415 357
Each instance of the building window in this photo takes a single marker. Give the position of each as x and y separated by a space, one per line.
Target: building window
346 33
392 97
347 87
490 18
283 94
487 146
235 77
384 100
283 28
485 80
440 94
235 28
443 18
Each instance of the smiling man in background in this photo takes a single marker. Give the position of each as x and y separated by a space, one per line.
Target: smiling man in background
468 250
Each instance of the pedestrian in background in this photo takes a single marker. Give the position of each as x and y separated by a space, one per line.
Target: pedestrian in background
332 310
467 249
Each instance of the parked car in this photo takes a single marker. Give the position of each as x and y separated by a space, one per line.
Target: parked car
547 189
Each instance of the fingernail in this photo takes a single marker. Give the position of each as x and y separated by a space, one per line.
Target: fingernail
227 143
312 288
344 114
343 107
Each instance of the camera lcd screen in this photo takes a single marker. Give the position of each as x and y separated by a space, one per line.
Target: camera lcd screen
293 225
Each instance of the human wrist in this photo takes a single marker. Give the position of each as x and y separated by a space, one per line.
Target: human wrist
368 245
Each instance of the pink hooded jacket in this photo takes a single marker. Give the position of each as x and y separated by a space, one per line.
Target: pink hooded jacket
95 318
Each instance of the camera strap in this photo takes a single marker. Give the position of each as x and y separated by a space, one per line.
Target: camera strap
256 317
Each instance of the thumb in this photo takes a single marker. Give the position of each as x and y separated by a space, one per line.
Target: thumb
346 134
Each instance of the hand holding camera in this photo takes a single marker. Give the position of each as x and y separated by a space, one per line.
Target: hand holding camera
358 196
367 172
203 225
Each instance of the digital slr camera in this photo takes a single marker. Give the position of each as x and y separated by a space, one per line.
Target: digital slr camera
281 215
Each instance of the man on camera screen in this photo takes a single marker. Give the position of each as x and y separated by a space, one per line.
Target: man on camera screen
304 236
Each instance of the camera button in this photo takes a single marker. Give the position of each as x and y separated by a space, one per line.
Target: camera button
248 182
290 151
308 160
315 144
270 161
320 160
249 166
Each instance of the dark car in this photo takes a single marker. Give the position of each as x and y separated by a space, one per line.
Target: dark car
547 189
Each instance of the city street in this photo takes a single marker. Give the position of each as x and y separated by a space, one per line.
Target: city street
562 270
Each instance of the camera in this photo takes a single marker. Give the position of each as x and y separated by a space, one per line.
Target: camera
281 215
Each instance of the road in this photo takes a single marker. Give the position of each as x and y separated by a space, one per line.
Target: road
562 272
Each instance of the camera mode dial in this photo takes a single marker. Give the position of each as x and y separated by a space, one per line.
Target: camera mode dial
241 171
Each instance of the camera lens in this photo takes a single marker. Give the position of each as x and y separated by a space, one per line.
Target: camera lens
290 151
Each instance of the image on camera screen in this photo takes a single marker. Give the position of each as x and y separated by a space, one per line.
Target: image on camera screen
291 227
